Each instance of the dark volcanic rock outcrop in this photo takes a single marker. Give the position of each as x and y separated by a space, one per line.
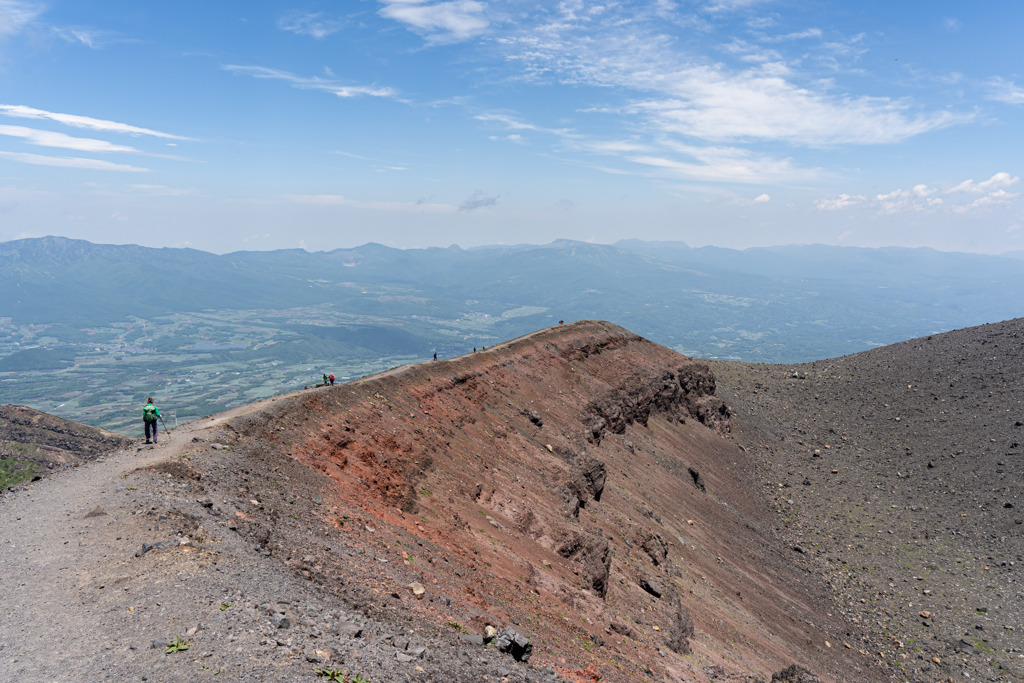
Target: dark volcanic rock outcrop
38 442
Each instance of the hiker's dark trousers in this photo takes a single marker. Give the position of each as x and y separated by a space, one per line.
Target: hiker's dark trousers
150 425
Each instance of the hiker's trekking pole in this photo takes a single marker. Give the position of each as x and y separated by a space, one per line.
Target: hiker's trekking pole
166 430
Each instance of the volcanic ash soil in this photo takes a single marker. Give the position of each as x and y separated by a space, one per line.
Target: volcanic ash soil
898 472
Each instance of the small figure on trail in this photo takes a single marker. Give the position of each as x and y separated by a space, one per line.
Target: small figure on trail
325 378
435 355
560 322
150 414
331 378
474 349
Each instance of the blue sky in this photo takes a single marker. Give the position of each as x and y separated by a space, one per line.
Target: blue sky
262 125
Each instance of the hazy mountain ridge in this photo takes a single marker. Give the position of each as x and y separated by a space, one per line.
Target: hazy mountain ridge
217 330
674 294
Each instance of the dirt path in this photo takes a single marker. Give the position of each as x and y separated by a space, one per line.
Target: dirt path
99 562
104 566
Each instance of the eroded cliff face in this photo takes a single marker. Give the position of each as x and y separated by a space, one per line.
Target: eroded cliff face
574 482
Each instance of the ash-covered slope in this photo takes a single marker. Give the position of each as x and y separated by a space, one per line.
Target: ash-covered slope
32 443
900 473
572 484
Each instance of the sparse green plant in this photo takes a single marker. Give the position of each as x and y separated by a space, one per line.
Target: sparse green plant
458 627
177 645
226 605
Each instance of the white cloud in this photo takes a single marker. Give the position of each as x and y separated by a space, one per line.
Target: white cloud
312 82
69 162
340 200
19 111
762 199
722 164
16 15
992 199
711 103
680 92
45 138
1002 90
996 182
440 22
922 198
312 24
842 201
916 199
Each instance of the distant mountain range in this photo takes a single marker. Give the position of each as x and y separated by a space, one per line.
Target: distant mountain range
775 304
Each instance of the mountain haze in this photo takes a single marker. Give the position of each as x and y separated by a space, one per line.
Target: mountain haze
91 330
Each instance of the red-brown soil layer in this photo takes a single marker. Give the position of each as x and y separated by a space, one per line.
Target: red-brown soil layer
470 477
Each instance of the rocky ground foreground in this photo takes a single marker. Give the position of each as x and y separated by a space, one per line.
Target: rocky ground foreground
566 506
898 472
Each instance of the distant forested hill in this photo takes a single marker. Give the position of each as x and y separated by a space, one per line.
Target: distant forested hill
783 304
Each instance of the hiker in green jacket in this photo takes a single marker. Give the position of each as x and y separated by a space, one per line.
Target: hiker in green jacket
150 414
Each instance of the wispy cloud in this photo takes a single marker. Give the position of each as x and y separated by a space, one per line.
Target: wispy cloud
687 95
15 15
45 138
477 200
18 111
997 182
514 123
341 200
671 94
312 82
69 162
1002 90
313 24
439 22
89 37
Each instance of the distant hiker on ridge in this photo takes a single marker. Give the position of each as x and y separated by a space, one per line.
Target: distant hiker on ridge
435 355
325 378
331 377
150 414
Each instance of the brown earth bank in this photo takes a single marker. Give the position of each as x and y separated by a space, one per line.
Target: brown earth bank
570 490
898 473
